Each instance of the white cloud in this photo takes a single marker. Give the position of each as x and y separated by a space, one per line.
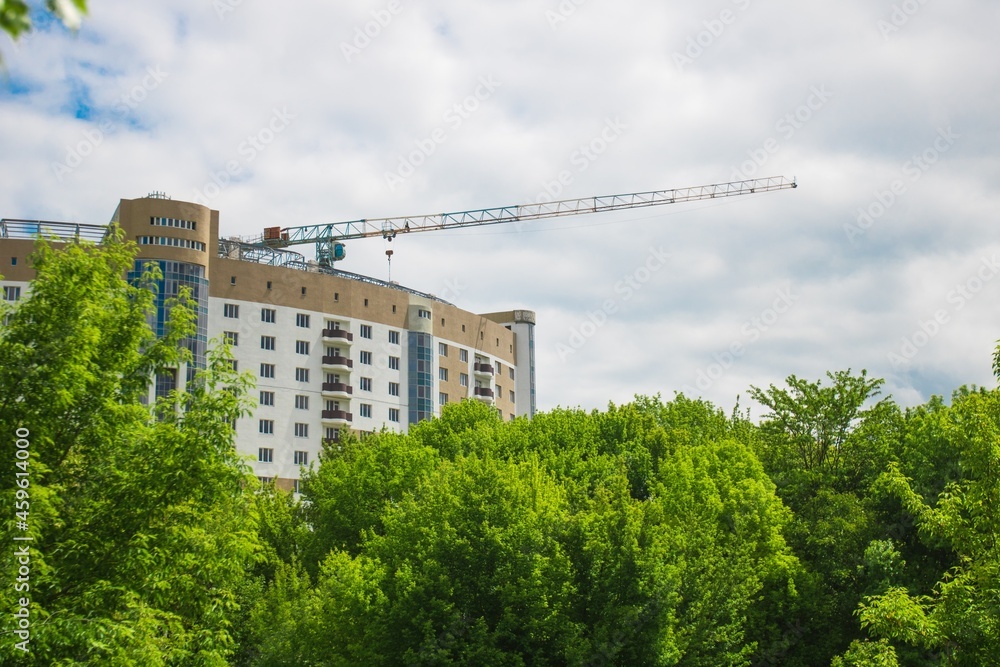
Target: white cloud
858 295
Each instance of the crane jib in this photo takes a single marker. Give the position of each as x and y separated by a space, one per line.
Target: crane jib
328 235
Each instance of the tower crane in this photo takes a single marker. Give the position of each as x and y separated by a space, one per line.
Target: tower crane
329 238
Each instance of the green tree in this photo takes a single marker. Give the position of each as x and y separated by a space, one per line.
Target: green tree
15 15
638 535
825 446
140 516
959 619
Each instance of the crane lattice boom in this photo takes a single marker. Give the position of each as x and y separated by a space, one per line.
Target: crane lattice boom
327 234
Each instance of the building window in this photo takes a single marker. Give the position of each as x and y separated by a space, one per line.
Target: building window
365 409
443 349
511 369
11 293
265 454
393 414
394 389
295 485
442 399
234 364
393 308
166 382
511 396
394 363
173 242
366 384
301 430
499 367
232 280
366 331
303 291
425 314
301 402
173 222
265 480
366 303
266 426
394 337
300 458
268 314
230 310
443 374
302 319
512 416
301 347
366 358
232 338
267 370
268 284
267 342
499 392
336 296
463 379
267 398
463 355
332 433
302 375
13 261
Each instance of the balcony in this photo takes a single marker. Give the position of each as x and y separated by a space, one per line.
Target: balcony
338 363
338 334
338 417
483 369
484 394
337 389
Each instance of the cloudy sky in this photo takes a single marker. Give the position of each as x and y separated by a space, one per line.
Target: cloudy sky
886 257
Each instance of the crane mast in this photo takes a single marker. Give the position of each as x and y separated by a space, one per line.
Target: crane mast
329 237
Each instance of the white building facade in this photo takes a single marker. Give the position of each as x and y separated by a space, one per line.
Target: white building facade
331 352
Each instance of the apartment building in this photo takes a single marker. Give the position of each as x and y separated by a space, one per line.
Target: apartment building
331 351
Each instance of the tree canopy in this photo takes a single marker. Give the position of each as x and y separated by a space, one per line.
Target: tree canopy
838 530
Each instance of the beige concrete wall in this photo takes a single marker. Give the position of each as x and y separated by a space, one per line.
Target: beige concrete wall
134 219
19 249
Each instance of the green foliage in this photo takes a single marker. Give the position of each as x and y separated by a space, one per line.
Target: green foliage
824 446
961 615
15 15
826 435
625 537
140 517
840 531
868 654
